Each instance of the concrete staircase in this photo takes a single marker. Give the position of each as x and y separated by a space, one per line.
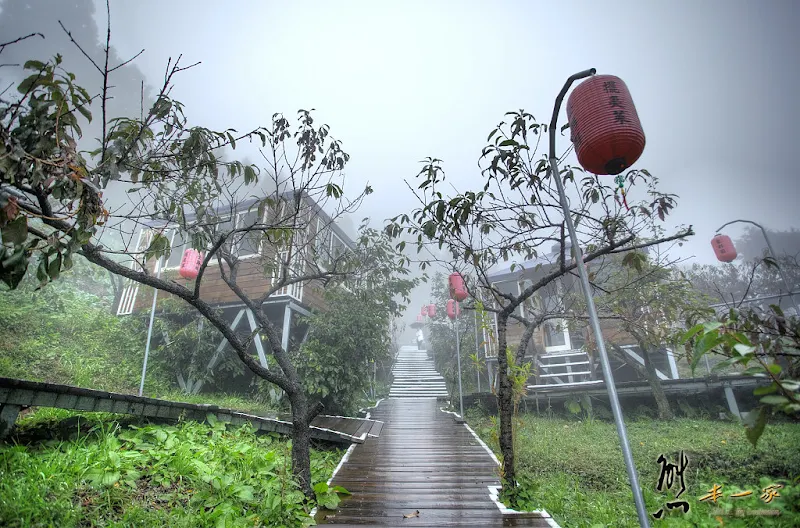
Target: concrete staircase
415 376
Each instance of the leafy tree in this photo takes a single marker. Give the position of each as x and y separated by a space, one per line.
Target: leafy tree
767 344
354 333
650 304
742 281
516 216
52 205
752 246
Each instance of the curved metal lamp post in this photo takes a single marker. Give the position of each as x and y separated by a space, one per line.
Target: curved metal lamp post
641 510
774 257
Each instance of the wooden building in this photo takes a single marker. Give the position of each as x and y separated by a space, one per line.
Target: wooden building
557 350
302 236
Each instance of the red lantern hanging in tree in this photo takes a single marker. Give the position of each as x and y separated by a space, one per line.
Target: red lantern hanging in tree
190 264
458 290
424 310
431 310
605 127
453 309
723 248
419 318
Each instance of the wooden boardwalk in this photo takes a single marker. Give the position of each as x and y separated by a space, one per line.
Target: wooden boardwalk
423 461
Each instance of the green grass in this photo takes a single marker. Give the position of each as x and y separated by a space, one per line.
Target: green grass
72 338
575 470
188 475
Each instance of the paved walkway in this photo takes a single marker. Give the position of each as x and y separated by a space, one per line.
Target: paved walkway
423 465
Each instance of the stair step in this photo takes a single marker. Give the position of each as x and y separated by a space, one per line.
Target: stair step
550 365
562 354
565 374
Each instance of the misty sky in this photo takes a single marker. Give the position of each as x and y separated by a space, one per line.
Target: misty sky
715 84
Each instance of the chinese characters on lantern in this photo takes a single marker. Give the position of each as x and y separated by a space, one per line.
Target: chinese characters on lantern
615 101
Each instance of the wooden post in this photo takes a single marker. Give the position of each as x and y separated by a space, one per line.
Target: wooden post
8 416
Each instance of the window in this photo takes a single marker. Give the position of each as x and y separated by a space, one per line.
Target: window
337 247
248 244
556 336
178 246
322 242
296 269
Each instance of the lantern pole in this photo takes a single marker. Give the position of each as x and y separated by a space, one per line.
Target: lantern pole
477 352
774 257
150 327
638 499
458 360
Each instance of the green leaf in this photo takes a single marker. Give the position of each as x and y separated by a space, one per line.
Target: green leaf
13 267
158 248
16 231
249 175
85 113
703 345
340 489
245 493
34 65
774 399
754 425
743 349
710 327
110 478
774 368
26 85
691 333
321 487
54 268
761 391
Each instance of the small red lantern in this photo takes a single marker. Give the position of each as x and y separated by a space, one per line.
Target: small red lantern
431 310
190 264
419 318
605 127
425 310
458 290
723 248
453 309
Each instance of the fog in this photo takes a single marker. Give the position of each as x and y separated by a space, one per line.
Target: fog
714 83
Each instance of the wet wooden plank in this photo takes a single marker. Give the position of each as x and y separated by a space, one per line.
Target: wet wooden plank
422 461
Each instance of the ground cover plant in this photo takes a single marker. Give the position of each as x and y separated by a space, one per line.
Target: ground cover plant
107 471
574 470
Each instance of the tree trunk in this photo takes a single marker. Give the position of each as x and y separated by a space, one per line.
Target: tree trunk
301 444
505 405
664 409
648 371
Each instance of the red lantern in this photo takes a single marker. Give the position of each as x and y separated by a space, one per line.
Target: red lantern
432 310
419 318
425 310
605 127
458 290
723 248
190 264
453 309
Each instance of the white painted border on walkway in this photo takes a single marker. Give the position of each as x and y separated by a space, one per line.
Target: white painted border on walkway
494 491
347 454
494 494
